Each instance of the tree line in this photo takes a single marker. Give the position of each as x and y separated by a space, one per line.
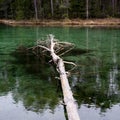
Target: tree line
58 9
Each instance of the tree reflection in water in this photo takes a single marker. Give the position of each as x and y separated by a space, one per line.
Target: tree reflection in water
95 81
33 82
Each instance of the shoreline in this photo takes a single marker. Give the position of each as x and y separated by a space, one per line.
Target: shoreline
107 22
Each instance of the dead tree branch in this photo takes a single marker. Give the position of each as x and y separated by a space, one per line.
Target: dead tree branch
69 101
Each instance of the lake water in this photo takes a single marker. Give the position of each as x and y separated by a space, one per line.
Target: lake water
29 90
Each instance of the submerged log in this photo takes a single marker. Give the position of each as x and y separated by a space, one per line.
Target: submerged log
69 101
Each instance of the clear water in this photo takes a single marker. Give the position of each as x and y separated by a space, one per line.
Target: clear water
29 90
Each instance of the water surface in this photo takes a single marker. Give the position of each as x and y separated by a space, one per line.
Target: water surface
29 90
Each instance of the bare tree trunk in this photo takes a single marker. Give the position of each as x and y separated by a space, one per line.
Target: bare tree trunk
113 7
36 12
87 9
52 45
39 9
52 9
67 5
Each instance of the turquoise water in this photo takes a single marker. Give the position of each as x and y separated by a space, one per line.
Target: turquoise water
29 90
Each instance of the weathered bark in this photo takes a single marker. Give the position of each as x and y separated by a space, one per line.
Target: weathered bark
69 101
87 9
67 93
52 9
36 11
113 7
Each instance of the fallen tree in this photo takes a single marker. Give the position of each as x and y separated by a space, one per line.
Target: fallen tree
53 46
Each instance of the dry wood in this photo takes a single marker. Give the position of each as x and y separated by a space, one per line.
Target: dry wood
69 101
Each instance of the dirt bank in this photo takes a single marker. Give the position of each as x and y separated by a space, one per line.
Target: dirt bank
111 22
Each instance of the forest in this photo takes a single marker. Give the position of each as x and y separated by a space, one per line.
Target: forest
58 9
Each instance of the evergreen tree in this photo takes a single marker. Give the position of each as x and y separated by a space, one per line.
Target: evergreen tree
58 9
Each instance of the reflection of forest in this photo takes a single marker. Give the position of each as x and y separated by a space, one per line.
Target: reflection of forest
37 94
94 81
